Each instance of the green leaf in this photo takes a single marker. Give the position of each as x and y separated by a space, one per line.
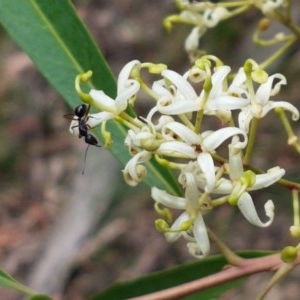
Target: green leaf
172 277
7 281
60 46
40 297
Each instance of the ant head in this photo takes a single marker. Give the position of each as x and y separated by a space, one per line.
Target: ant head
81 110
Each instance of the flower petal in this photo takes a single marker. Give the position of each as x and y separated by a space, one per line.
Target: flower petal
133 172
244 119
180 106
201 237
223 186
235 162
281 104
212 16
182 85
267 179
207 166
247 208
226 103
96 119
105 102
267 89
192 41
173 236
125 94
177 129
177 149
168 200
124 75
217 81
216 138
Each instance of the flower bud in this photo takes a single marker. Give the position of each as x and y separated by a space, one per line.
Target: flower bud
289 254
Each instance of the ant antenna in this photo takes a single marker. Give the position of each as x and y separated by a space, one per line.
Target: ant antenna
87 148
90 140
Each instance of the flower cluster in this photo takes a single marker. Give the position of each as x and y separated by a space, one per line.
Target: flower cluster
193 116
207 14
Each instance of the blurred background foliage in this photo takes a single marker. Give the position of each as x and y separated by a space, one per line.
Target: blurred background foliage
67 234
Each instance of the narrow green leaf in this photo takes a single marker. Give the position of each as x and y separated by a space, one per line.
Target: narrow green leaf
39 297
8 281
60 46
172 277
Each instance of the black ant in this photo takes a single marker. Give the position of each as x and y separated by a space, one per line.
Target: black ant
81 114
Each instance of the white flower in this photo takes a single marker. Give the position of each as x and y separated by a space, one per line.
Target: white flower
240 183
134 172
188 144
268 6
212 16
190 223
260 103
192 41
226 99
208 16
127 88
179 96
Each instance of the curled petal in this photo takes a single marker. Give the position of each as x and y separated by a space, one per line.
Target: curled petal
227 103
105 102
181 106
162 121
248 210
133 172
267 179
173 236
96 119
238 81
93 121
177 129
160 89
212 17
207 166
168 200
191 190
124 75
177 149
201 236
223 186
244 119
192 41
125 94
216 138
182 85
281 104
217 81
235 162
267 89
74 128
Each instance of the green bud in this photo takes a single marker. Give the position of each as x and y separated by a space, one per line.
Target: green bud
295 231
248 178
150 145
154 68
259 75
289 254
161 225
